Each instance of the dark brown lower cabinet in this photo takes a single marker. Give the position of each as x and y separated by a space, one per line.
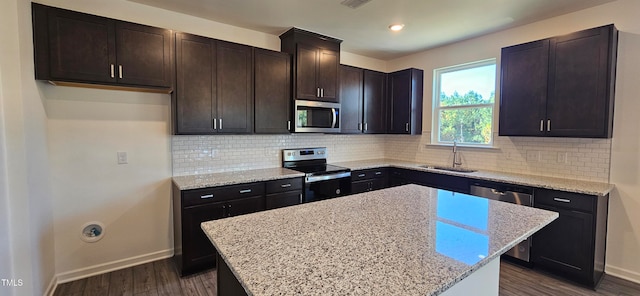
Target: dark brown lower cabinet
368 180
573 246
193 250
283 193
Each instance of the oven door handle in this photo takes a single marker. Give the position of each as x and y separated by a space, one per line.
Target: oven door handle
335 117
313 179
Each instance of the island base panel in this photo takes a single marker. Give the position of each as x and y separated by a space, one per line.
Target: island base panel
228 284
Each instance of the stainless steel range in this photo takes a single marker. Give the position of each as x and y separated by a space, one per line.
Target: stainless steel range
322 180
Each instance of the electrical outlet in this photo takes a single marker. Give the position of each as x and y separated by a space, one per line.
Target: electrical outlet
122 158
562 157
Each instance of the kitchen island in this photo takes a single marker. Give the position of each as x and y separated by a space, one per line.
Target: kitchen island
407 240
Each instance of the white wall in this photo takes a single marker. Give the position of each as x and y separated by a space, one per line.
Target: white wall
27 190
87 127
624 226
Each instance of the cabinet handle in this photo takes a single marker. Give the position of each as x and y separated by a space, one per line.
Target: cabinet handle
245 191
206 196
366 126
359 126
113 71
542 125
361 175
285 185
406 127
120 71
562 200
549 125
220 123
322 92
300 197
215 125
317 92
288 125
378 173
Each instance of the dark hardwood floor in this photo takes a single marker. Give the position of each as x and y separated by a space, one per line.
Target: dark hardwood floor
160 278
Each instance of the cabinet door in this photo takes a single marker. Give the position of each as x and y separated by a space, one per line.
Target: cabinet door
375 102
566 244
405 91
328 75
578 97
197 249
245 206
351 80
307 72
272 91
144 55
361 186
523 92
195 93
234 88
82 47
284 199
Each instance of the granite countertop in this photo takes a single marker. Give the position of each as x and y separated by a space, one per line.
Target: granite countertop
235 177
568 185
407 240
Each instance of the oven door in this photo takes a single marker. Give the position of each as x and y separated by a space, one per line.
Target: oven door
317 117
326 189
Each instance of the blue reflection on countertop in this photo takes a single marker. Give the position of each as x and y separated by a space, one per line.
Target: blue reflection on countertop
461 227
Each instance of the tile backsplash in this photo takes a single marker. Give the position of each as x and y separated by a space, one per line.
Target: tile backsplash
584 159
208 154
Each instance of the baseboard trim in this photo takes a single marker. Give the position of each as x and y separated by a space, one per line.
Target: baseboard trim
622 273
53 284
90 271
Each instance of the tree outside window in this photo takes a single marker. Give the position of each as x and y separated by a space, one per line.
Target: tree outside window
463 104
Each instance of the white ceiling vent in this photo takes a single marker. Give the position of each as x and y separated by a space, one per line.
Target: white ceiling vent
354 3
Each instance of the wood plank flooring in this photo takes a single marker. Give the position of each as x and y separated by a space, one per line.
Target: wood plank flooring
160 278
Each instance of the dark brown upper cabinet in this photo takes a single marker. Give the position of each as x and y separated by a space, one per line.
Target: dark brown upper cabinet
214 90
315 64
561 86
272 72
405 99
80 49
364 100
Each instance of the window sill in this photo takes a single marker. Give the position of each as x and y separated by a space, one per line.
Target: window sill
450 146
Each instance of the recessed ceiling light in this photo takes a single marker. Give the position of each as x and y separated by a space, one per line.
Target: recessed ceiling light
396 27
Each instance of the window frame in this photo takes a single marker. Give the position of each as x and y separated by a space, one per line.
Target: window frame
436 108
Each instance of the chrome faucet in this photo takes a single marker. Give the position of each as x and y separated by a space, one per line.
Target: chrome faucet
455 155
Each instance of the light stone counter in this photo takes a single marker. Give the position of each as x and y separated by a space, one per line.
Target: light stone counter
569 185
235 177
407 240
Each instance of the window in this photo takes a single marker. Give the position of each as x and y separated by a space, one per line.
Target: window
463 102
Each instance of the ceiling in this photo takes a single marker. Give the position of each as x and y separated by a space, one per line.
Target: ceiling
428 23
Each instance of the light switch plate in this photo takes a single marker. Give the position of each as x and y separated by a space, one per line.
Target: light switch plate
122 158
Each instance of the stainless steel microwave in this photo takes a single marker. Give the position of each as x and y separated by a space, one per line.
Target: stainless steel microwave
316 117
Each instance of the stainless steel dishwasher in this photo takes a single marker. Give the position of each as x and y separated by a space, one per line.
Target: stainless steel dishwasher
511 194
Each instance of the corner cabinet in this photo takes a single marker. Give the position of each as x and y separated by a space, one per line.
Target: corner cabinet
73 48
214 89
405 96
315 64
560 87
364 101
574 245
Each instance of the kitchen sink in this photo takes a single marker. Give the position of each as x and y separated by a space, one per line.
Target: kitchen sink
451 169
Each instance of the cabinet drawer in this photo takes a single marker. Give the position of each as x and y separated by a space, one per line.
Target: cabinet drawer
283 185
567 200
216 194
368 174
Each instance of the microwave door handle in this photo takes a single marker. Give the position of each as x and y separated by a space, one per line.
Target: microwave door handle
335 117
